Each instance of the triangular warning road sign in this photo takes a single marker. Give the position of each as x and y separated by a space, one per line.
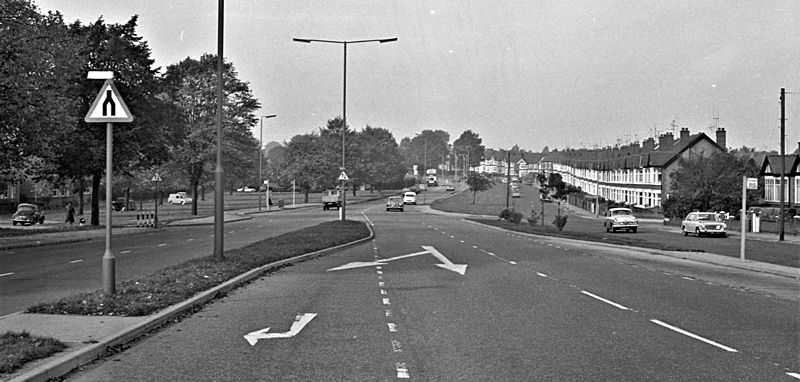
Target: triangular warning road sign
343 176
108 106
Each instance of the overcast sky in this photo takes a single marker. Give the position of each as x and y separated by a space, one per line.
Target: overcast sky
559 73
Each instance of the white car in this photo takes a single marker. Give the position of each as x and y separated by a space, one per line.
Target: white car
179 198
620 218
703 223
246 189
410 198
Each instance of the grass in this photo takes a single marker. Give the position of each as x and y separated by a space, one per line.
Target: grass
154 292
16 349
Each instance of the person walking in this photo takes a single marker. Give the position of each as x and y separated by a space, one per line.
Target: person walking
70 214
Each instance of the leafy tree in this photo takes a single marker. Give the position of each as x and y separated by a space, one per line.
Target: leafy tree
308 169
709 183
477 182
471 143
544 191
428 146
39 72
382 161
562 190
191 86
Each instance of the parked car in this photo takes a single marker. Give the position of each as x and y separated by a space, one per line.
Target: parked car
27 214
394 203
246 189
703 223
620 218
179 198
410 198
450 187
119 205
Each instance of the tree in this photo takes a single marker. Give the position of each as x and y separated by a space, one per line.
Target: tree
39 74
477 182
191 86
709 183
425 149
544 191
562 190
305 164
469 143
382 161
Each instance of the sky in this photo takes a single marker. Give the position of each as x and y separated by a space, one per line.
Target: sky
532 73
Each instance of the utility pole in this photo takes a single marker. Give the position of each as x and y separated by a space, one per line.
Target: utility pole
508 178
783 161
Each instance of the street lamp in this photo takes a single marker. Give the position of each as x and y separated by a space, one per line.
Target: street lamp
260 155
344 43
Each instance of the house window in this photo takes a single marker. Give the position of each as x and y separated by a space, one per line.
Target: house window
5 191
796 189
772 189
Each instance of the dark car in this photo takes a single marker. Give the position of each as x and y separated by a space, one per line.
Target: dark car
27 214
119 205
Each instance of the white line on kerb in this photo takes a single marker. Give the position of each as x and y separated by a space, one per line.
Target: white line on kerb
75 261
7 274
612 303
695 336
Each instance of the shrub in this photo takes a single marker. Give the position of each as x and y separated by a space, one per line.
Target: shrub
534 218
560 221
511 216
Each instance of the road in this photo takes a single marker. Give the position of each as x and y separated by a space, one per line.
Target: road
526 308
40 274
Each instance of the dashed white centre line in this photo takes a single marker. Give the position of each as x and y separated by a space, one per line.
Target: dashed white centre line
541 274
392 327
162 245
190 240
609 302
125 252
7 274
386 301
75 261
402 370
695 336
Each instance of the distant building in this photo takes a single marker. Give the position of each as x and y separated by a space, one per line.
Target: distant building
771 169
637 175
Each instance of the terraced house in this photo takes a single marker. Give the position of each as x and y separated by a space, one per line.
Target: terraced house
634 174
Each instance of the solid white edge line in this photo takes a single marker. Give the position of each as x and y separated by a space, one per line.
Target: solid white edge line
609 302
6 274
695 336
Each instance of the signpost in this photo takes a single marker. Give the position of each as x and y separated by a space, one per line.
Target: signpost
156 179
108 107
747 184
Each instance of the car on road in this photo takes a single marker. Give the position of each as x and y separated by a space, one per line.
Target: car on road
410 198
703 223
619 219
119 205
394 203
450 187
246 189
179 198
27 214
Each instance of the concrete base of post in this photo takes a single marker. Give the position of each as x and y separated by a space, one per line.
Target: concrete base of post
109 273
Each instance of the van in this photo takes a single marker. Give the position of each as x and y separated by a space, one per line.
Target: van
179 198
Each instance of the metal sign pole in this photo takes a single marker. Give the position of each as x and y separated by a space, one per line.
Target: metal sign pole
744 216
109 261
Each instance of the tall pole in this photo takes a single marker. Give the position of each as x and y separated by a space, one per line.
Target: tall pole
744 216
261 155
508 178
218 174
344 128
109 261
783 162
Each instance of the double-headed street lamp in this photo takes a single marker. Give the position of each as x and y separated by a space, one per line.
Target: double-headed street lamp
344 43
260 155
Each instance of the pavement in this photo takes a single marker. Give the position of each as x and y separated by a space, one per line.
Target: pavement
91 337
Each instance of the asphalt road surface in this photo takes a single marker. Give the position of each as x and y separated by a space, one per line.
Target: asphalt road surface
40 274
525 309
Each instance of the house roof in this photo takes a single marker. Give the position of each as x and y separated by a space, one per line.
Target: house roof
773 165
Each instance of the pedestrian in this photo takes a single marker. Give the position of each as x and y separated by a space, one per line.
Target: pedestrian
70 214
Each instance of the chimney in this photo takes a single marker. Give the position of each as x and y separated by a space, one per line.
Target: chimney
665 141
648 145
684 134
721 142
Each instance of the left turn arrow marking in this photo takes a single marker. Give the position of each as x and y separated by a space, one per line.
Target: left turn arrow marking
300 321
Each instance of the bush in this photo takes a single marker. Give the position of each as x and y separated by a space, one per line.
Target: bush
511 216
560 221
534 218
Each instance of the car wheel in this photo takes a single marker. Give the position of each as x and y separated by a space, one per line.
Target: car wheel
13 223
683 229
183 202
608 229
634 230
697 232
724 235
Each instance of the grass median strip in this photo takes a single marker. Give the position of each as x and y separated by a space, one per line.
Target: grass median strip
151 293
18 348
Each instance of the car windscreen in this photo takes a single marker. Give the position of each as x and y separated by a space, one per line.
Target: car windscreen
25 209
707 217
621 212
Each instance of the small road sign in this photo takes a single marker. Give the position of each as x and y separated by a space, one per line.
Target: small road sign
343 176
108 106
752 183
156 178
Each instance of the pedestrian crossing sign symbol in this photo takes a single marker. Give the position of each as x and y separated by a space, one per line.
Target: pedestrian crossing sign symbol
108 106
343 176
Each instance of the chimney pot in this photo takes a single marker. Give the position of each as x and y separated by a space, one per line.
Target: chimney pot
684 133
721 139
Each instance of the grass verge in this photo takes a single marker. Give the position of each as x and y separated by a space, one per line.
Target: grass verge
16 349
151 293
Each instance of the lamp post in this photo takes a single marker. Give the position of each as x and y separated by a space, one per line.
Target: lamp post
260 155
344 43
219 198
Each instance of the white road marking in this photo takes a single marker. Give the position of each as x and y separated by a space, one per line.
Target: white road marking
695 336
542 274
162 245
392 327
381 284
368 221
512 262
396 346
380 272
687 278
461 241
7 274
796 375
300 321
75 261
388 313
475 246
402 371
386 301
190 240
383 292
125 252
612 303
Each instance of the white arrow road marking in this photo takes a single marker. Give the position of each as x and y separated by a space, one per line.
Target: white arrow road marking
446 263
299 323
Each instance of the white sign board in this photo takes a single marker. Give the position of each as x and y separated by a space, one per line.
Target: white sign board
108 106
752 183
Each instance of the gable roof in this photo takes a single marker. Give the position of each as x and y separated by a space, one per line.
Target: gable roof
773 165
